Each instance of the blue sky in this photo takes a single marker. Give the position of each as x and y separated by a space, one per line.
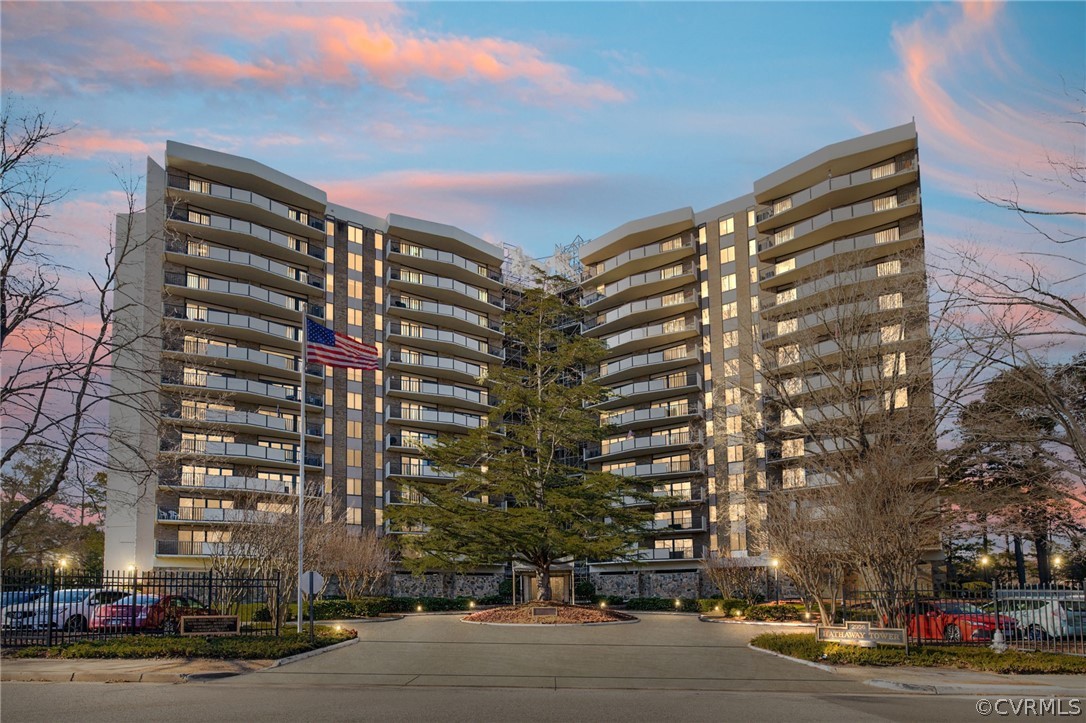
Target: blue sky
532 123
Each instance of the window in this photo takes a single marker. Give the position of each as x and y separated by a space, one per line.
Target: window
886 169
727 282
354 317
671 271
727 226
782 205
792 385
354 400
733 425
296 215
198 186
671 299
788 354
892 333
784 266
675 243
731 367
753 275
354 486
730 339
750 219
885 204
735 483
752 248
793 477
792 448
897 399
783 235
889 268
729 311
203 219
731 396
890 301
887 235
727 254
787 326
354 515
735 453
893 364
792 417
783 297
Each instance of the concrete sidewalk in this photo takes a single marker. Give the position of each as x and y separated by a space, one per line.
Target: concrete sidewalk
157 670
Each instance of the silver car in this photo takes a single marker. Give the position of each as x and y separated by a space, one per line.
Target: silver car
1040 618
71 610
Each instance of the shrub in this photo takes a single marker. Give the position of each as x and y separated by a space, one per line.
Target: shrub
805 647
584 590
686 605
721 606
262 615
776 613
505 588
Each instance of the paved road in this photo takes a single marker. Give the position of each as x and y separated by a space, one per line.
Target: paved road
435 667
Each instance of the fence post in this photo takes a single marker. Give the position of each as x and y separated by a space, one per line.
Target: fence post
133 607
210 601
50 608
916 613
995 604
277 604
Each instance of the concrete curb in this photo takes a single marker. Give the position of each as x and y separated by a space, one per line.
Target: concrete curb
810 663
311 653
549 625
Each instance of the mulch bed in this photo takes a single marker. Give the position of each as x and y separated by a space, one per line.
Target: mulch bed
567 615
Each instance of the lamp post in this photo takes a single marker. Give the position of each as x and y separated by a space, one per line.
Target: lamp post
985 561
62 564
776 580
1057 563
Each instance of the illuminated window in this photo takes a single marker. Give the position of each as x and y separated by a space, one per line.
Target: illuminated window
727 282
727 254
730 310
889 268
890 301
727 226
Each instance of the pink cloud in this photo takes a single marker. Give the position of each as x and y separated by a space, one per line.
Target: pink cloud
275 46
80 143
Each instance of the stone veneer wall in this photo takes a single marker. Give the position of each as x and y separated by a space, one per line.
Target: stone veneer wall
688 584
437 584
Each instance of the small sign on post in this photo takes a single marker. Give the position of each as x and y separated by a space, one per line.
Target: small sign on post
310 584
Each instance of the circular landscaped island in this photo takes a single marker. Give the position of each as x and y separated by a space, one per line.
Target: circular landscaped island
548 613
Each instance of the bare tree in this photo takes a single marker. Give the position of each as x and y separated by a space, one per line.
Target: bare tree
358 562
734 576
60 335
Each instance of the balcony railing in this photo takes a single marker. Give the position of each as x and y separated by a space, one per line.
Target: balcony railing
238 449
239 483
218 190
651 414
245 386
448 310
216 514
433 388
396 356
445 257
232 320
434 416
415 469
672 381
438 282
654 249
202 249
262 233
447 337
248 291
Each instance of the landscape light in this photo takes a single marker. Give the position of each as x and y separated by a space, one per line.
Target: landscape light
418 608
678 603
603 603
471 604
338 628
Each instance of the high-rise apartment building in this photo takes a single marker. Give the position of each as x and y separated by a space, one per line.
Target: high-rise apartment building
710 319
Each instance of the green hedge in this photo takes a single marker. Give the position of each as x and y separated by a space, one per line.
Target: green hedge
369 607
234 647
805 647
723 606
686 605
776 613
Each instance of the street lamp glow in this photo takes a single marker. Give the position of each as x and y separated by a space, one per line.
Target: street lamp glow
131 567
63 563
774 562
985 560
1057 560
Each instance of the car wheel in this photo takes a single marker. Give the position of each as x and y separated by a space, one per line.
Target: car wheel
1036 632
952 634
75 624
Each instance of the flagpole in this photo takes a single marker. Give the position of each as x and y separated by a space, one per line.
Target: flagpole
301 466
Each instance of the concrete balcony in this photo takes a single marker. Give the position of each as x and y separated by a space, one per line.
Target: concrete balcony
241 483
696 523
839 222
236 326
237 201
219 515
648 364
638 286
404 497
246 390
445 367
408 443
443 315
654 443
184 548
251 237
655 554
243 359
662 494
638 313
244 421
669 332
839 191
640 259
673 385
444 263
202 256
653 416
433 419
449 291
415 471
437 393
243 296
661 470
447 342
240 452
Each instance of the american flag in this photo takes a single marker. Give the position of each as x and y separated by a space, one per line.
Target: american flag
325 346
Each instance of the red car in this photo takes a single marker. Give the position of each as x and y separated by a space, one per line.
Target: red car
955 621
152 612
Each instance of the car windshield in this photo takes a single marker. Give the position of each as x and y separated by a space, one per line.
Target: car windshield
960 608
68 596
140 600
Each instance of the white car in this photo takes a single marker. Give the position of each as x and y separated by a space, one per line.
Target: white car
71 610
1040 618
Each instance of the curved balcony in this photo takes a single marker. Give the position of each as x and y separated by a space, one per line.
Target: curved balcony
242 295
864 246
659 554
408 443
640 259
661 493
442 289
248 236
413 470
838 222
696 523
246 390
412 361
433 419
240 326
661 470
449 342
839 191
202 256
404 497
219 515
652 416
669 332
185 548
243 359
653 362
641 312
244 421
672 385
437 393
230 200
240 483
637 286
443 315
654 443
240 452
444 263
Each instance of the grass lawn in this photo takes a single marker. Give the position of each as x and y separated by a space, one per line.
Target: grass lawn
231 647
805 647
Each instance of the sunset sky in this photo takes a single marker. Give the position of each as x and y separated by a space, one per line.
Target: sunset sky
532 123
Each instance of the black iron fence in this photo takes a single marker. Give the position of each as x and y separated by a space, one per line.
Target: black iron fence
53 606
1049 617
